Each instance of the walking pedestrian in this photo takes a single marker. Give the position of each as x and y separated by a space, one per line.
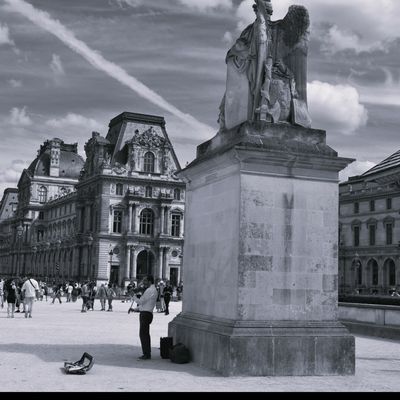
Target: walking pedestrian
102 295
1 293
146 304
84 295
11 296
57 293
110 296
30 288
168 290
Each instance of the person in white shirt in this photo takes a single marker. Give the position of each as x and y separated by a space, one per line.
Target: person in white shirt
146 304
29 289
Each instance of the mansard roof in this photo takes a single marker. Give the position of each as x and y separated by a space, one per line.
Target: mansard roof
144 129
388 164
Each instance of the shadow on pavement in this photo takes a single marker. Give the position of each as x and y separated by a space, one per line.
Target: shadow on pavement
114 355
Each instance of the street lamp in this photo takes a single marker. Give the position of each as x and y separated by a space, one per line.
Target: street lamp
110 253
20 231
34 250
58 245
90 242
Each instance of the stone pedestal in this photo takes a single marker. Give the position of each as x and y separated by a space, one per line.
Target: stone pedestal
261 255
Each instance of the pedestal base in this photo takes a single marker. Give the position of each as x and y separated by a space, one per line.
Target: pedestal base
266 348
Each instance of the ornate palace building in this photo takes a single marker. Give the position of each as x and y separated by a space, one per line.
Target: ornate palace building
369 257
117 216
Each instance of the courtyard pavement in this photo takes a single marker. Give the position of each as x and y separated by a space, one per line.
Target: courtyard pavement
33 351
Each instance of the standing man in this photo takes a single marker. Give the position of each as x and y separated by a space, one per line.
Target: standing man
29 289
146 304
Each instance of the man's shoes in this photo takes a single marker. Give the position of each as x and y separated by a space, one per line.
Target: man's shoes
17 311
144 358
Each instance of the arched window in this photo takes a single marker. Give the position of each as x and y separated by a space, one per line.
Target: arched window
149 191
147 222
148 165
375 273
177 194
120 189
42 194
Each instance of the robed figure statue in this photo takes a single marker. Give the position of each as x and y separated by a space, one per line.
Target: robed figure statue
267 70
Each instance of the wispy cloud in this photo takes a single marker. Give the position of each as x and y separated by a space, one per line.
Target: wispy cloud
46 22
19 117
205 5
57 66
5 35
76 120
15 83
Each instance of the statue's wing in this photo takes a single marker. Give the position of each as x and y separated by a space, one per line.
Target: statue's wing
294 32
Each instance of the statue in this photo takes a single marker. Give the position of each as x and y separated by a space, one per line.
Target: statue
267 70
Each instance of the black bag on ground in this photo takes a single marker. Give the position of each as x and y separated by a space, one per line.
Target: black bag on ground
165 346
179 354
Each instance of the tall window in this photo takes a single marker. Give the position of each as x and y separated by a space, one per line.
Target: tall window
356 231
356 208
372 205
117 222
359 273
392 273
372 235
389 234
120 189
175 225
42 194
177 194
147 222
375 274
388 204
148 162
149 191
41 215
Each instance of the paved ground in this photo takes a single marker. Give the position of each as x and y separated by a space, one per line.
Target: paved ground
33 351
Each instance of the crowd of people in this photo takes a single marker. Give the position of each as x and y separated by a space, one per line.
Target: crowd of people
20 293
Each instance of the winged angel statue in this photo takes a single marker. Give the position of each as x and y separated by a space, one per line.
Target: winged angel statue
267 70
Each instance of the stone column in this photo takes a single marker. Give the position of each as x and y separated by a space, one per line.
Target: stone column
134 216
162 222
134 262
160 261
130 218
167 221
128 262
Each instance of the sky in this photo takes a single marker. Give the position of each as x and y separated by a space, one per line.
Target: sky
69 67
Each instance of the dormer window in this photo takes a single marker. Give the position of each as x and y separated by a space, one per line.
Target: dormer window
148 165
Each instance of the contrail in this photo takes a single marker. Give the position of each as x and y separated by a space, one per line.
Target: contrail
56 28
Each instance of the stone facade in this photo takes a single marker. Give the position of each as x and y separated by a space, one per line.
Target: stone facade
114 217
369 261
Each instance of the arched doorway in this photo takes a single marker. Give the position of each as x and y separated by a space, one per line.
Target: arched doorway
145 264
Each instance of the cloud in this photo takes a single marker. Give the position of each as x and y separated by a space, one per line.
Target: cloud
74 120
46 22
15 83
338 40
228 38
57 66
9 176
336 107
206 5
19 117
5 35
361 25
355 169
